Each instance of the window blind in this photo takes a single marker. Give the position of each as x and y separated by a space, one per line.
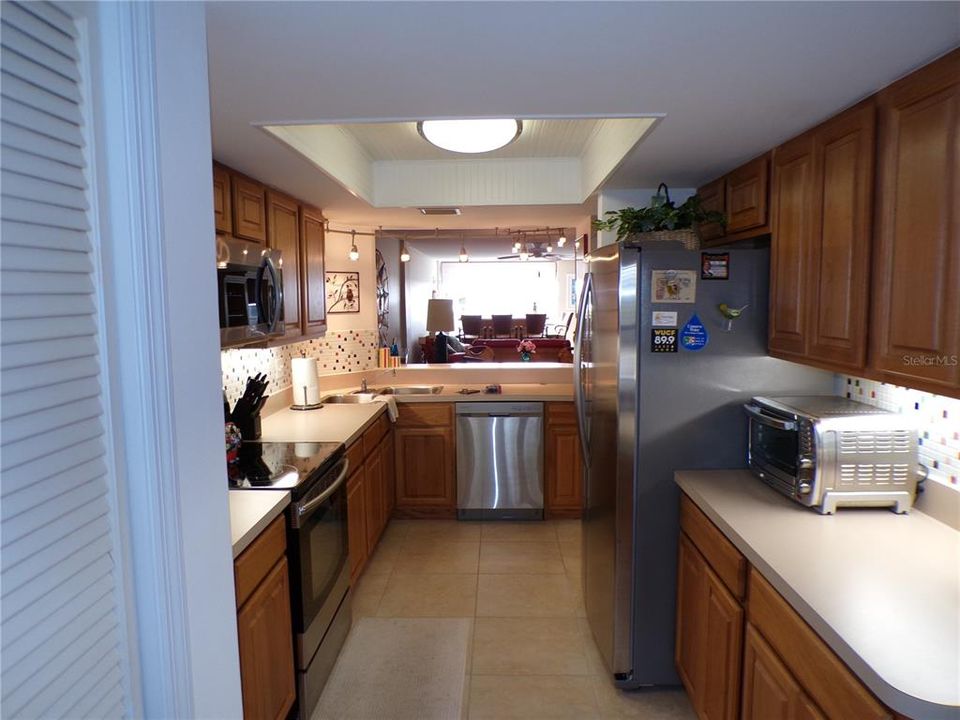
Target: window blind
61 620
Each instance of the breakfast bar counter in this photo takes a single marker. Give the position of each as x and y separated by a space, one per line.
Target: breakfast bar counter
882 590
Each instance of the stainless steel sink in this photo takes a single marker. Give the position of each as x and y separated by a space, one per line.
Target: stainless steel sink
351 399
411 390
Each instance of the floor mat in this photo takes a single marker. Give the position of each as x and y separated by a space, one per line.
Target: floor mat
399 669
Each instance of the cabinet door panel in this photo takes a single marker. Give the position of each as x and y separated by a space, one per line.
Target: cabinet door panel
563 473
746 196
249 209
389 477
713 197
793 207
313 307
723 642
769 690
691 594
373 490
916 310
265 642
284 235
222 213
841 248
425 467
356 523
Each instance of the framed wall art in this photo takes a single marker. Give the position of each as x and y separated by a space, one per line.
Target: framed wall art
342 291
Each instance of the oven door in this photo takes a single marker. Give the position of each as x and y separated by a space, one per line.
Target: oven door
774 448
318 557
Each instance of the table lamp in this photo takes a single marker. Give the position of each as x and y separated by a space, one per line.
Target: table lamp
440 319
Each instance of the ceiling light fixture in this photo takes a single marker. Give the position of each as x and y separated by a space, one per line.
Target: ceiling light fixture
354 253
470 136
524 255
404 255
464 257
562 240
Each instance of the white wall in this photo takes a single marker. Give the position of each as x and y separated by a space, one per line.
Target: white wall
634 197
336 257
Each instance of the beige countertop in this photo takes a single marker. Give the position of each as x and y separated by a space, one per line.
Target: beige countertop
882 590
250 513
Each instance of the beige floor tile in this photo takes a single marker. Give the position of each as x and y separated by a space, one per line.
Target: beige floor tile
528 646
383 560
429 596
595 664
571 557
433 558
575 583
495 697
442 531
525 596
519 531
367 594
398 528
642 704
568 530
521 557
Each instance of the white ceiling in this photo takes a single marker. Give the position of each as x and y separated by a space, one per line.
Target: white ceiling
732 79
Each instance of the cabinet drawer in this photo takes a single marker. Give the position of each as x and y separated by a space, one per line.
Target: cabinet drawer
374 434
819 671
256 561
561 413
425 414
726 561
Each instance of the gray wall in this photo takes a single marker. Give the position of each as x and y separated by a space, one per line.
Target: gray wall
419 282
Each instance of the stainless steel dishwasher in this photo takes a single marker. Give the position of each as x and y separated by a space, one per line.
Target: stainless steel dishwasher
499 460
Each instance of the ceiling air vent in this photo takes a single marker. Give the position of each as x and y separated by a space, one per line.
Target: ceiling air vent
439 210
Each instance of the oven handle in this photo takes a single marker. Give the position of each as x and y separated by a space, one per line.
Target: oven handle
301 510
758 415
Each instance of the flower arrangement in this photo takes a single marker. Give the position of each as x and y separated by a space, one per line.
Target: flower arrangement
526 348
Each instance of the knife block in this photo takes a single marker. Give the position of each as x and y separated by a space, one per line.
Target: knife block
249 426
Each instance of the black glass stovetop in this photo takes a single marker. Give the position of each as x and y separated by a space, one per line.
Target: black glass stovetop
282 465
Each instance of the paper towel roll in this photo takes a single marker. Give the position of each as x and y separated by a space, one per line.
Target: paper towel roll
304 372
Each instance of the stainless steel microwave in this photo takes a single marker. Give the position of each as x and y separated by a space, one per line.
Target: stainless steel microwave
250 290
827 452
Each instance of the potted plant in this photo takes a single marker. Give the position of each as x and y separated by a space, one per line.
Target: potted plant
662 220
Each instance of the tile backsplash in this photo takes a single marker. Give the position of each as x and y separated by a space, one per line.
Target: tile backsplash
938 421
336 352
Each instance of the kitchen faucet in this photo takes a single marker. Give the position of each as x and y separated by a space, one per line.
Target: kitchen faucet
363 385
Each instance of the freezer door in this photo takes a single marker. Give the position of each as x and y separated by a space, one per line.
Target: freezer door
608 376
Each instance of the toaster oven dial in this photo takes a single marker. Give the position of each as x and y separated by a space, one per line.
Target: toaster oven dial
804 488
806 464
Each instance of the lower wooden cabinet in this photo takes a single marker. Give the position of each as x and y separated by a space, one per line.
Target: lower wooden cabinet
562 466
709 637
369 489
769 690
264 627
426 463
356 523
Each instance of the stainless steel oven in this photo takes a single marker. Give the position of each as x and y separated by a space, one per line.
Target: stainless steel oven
250 290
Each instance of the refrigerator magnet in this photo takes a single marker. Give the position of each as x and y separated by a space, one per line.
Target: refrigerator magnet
673 286
663 340
662 318
694 335
714 266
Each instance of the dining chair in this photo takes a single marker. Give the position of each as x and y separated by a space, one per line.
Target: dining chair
471 326
503 325
536 322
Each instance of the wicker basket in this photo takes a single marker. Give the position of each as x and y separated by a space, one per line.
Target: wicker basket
689 238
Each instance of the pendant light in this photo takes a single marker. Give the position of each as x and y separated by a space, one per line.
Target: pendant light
404 255
524 255
354 253
562 240
549 242
464 257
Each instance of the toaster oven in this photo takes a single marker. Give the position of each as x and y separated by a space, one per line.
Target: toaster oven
828 452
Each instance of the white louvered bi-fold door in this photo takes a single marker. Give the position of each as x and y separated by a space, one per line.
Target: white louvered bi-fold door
61 614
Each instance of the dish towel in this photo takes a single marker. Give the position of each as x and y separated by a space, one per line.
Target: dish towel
391 404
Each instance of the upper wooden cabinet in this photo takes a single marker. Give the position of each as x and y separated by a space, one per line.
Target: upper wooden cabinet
249 209
916 272
313 310
222 200
742 195
746 196
283 234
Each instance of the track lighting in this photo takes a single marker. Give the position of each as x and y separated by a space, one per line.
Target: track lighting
354 253
404 255
562 240
524 255
464 257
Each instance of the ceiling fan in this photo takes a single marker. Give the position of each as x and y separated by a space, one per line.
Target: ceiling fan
534 249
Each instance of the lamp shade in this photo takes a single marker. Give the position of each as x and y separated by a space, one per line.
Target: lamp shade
440 315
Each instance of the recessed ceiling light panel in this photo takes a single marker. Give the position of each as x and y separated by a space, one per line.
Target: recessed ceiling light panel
470 136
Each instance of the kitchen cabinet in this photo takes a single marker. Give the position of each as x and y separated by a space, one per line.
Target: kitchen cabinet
793 210
283 234
222 200
742 195
368 486
562 467
264 627
249 206
313 312
709 632
769 690
915 322
426 460
821 206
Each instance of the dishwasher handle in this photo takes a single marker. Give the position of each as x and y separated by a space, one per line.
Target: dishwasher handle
500 415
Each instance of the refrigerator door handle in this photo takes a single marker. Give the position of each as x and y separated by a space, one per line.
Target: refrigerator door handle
578 400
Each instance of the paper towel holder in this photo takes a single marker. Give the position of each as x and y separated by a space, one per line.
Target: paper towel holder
304 391
304 406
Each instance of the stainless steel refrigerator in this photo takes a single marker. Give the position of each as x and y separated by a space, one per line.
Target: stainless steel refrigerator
655 395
